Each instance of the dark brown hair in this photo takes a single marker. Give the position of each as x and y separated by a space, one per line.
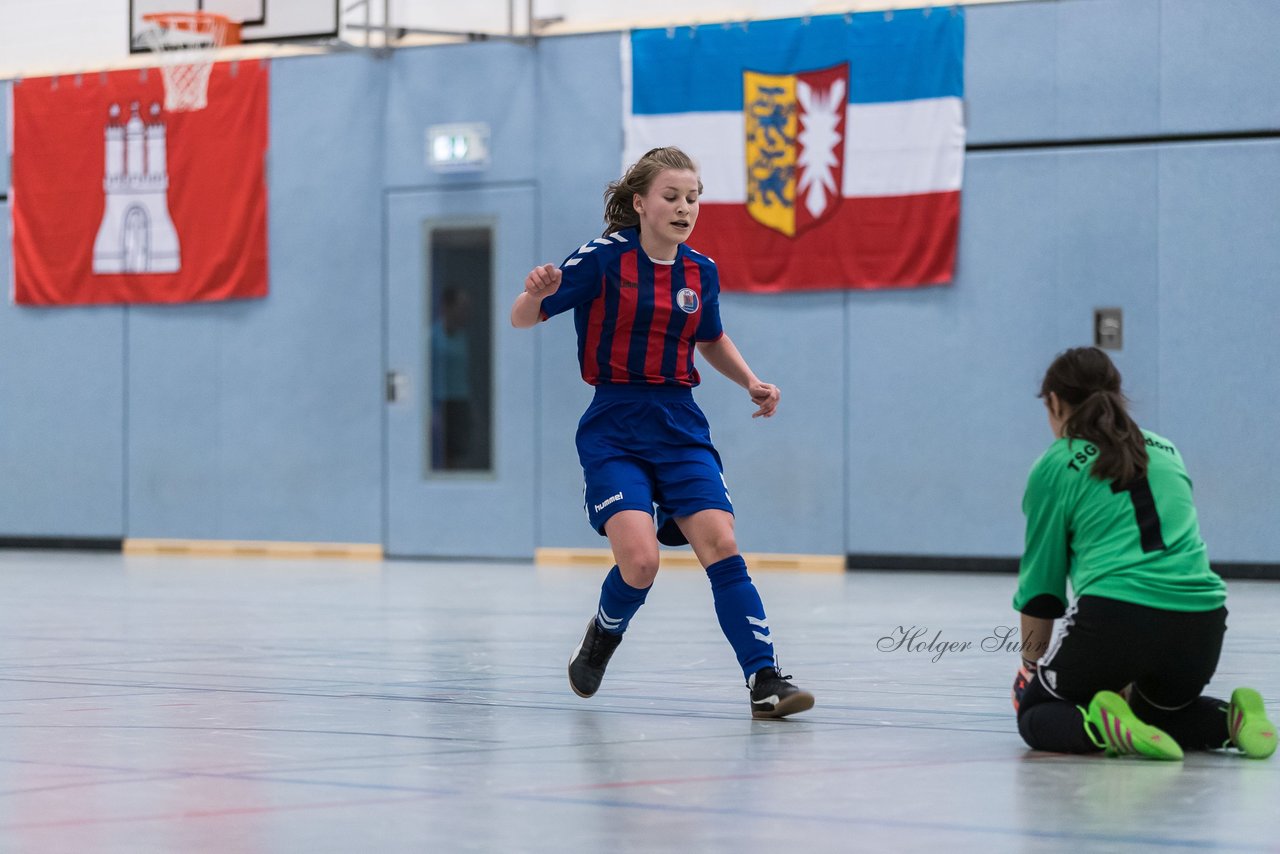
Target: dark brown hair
619 210
1088 381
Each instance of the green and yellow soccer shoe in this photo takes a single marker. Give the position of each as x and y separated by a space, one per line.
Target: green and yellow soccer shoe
1116 729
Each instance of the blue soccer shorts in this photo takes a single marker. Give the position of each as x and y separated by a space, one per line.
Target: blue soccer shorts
649 448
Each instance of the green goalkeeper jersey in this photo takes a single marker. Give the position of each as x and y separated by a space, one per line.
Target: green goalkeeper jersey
1139 544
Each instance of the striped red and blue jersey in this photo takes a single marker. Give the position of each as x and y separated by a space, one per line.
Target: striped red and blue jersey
637 319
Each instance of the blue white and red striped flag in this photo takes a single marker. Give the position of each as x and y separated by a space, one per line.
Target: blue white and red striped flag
831 149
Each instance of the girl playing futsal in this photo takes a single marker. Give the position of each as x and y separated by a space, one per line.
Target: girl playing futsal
642 301
1109 506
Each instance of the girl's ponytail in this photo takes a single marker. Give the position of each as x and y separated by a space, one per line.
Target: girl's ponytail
1088 381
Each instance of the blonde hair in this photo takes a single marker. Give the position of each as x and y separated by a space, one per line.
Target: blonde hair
619 209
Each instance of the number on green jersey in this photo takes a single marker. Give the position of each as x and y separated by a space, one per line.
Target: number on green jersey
1144 509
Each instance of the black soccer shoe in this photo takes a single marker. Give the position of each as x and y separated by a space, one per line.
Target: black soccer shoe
586 667
773 696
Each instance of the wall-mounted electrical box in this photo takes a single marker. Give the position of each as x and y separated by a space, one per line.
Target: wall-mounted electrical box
1108 328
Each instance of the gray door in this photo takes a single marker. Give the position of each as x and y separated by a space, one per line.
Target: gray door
460 452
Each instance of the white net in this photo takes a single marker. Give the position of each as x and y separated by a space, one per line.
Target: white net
186 45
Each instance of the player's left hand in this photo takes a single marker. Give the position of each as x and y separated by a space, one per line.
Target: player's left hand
765 396
1026 672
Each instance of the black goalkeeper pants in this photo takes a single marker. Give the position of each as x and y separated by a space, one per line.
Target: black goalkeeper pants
1166 656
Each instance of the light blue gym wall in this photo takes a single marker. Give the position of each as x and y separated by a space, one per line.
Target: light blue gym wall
1173 233
243 420
61 408
1219 314
909 419
261 419
579 152
61 417
457 83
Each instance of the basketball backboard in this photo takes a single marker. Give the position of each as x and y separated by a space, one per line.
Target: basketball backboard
262 20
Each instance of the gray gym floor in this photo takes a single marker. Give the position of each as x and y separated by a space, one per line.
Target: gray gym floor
157 704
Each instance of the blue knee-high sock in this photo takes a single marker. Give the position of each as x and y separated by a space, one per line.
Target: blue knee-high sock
741 614
619 602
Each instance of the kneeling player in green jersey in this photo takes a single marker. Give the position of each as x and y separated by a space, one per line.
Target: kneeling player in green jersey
1109 506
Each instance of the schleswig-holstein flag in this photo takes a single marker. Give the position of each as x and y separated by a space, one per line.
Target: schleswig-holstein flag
831 148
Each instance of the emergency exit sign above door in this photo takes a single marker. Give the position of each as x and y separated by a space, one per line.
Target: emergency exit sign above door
458 147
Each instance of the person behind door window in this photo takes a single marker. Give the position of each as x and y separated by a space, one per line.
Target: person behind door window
643 302
451 382
1109 507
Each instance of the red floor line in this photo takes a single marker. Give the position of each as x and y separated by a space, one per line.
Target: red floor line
185 815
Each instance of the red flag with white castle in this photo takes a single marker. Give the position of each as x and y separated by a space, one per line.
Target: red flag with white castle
117 200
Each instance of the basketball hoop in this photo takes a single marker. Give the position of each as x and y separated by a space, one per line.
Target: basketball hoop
186 43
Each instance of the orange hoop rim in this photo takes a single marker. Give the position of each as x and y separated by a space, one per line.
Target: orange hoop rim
223 30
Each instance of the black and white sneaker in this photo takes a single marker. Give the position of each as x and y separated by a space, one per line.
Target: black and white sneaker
586 667
773 696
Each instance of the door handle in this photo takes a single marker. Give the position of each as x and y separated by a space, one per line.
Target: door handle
397 387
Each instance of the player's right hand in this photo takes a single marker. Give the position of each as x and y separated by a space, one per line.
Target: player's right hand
542 281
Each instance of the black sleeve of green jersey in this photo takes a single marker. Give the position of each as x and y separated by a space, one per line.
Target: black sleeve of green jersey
1046 605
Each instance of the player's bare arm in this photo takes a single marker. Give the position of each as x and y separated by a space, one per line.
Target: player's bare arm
723 355
541 283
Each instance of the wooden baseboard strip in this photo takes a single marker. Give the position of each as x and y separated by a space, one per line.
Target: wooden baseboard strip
253 548
685 559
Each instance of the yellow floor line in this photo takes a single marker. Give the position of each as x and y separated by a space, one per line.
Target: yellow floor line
684 559
253 548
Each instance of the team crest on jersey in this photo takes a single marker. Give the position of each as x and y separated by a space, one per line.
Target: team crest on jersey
795 126
687 299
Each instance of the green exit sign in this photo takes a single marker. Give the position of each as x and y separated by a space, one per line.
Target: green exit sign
458 147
